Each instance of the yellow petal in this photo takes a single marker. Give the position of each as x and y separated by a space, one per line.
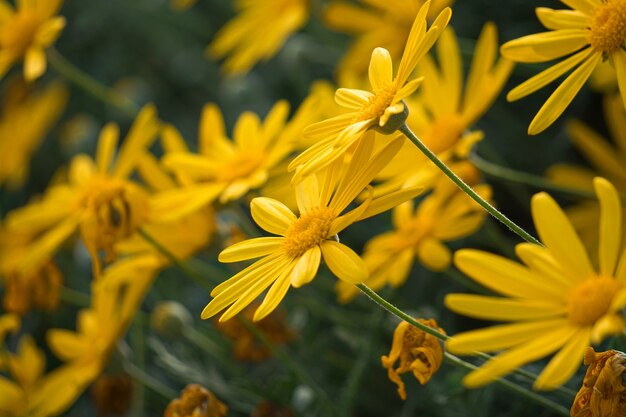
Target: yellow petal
275 294
250 249
272 215
308 194
434 255
610 225
619 60
49 31
306 267
247 131
565 363
343 262
607 325
545 46
502 309
380 69
34 63
563 96
211 128
391 200
558 234
562 19
107 144
351 99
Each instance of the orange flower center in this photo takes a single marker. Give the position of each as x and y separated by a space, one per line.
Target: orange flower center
310 230
19 32
240 166
608 29
591 299
443 133
376 105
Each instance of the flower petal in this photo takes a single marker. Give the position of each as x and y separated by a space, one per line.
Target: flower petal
306 267
250 249
380 69
565 363
502 309
546 46
343 262
272 215
610 225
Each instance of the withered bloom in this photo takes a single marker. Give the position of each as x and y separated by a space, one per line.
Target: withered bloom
416 351
39 289
196 401
246 347
270 409
112 394
603 393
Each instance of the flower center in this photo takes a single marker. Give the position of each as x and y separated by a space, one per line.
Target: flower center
608 29
310 230
443 133
119 209
376 105
240 166
591 299
19 33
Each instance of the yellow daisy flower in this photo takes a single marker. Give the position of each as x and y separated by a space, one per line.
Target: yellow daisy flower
226 169
446 214
258 31
592 31
25 119
557 301
373 24
370 109
294 258
26 32
444 109
98 200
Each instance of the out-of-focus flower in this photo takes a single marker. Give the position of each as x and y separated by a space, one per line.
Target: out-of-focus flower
591 32
196 401
607 158
293 258
9 323
258 31
414 351
25 32
557 300
225 169
99 199
369 110
420 232
246 345
603 393
444 108
112 394
170 318
25 120
375 24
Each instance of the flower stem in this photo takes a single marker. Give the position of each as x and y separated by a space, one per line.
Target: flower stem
91 86
466 188
513 387
150 382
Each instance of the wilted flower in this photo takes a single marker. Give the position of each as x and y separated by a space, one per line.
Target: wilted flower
112 394
196 401
603 393
415 351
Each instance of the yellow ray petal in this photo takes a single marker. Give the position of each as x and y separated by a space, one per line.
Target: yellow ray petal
306 267
391 200
272 215
351 98
211 128
619 61
562 19
610 225
343 262
607 325
503 309
558 234
308 194
434 255
275 294
107 145
546 46
565 363
380 69
250 249
34 63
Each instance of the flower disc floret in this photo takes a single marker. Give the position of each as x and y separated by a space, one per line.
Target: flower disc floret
591 299
608 29
310 230
376 105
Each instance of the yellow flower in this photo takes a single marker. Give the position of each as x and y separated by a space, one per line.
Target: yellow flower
25 120
415 351
375 23
294 258
446 214
557 300
26 32
371 109
196 401
258 31
98 200
223 168
607 158
593 31
444 109
603 393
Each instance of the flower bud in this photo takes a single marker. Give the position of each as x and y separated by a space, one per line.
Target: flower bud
169 318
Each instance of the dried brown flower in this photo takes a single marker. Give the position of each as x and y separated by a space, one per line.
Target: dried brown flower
196 401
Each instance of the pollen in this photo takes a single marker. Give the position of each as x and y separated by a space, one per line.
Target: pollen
310 230
376 105
608 29
591 299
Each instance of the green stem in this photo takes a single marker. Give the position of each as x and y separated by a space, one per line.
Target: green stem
466 188
73 297
295 368
91 86
508 174
139 394
150 382
513 387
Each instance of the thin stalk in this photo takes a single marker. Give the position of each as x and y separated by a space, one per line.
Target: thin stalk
150 382
138 345
559 409
405 317
73 297
292 365
90 85
466 188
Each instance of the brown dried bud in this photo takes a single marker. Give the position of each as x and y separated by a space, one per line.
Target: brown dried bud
416 351
112 394
603 393
196 401
269 409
